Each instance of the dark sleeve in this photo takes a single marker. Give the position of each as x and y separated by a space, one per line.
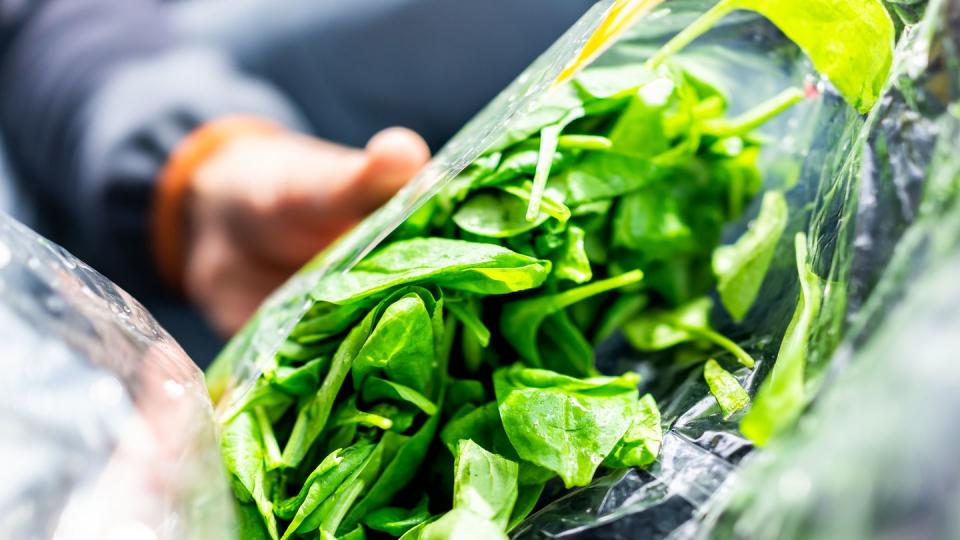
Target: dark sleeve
95 95
429 65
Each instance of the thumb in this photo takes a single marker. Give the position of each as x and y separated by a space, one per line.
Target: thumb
393 157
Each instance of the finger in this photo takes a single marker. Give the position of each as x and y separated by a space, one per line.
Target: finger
225 283
394 156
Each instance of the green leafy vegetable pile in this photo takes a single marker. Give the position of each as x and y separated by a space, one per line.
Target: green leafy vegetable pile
434 389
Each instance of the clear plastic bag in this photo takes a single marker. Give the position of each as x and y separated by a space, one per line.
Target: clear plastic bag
853 184
107 426
109 431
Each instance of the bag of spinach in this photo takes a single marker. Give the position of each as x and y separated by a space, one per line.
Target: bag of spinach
647 224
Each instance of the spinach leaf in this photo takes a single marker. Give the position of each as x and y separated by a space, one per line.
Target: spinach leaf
857 63
312 417
453 264
725 388
520 163
300 380
294 352
551 200
330 474
650 220
249 524
467 312
495 214
321 322
484 483
612 83
483 426
600 176
623 309
564 424
261 394
640 445
459 524
781 397
462 392
484 492
397 521
551 109
398 472
271 449
661 329
375 388
571 262
527 497
347 413
640 130
243 455
328 517
399 343
564 348
521 320
741 266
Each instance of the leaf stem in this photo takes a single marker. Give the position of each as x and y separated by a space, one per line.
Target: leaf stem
274 459
686 36
572 296
584 142
722 341
748 121
548 146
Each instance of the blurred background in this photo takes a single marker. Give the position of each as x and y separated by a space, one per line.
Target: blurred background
96 96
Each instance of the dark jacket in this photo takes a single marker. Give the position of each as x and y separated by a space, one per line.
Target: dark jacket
93 95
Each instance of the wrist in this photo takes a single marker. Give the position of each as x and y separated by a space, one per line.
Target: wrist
169 222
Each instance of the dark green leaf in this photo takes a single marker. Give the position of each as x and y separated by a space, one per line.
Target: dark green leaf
347 413
521 320
468 313
398 472
639 130
397 521
330 474
603 176
650 221
312 417
401 346
462 392
300 380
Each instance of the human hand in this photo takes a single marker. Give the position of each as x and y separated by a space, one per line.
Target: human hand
264 204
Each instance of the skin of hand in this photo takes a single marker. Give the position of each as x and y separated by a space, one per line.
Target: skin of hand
264 204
